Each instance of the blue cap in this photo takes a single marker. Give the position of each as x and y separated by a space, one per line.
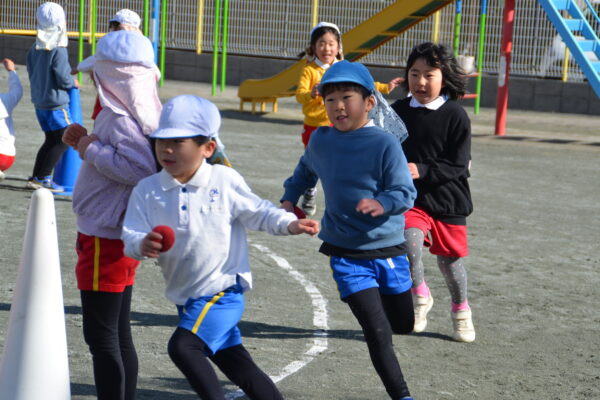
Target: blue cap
187 116
346 71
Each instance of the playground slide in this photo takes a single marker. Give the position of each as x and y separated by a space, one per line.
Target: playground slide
358 42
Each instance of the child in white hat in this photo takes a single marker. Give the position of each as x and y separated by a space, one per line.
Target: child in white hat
116 156
207 271
8 101
50 77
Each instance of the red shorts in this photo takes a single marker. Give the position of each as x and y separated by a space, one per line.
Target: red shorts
441 238
308 130
6 162
102 266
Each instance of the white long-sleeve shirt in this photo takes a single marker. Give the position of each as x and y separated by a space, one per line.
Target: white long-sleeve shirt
8 101
208 214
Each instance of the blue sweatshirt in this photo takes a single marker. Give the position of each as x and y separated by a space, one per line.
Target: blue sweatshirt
50 77
364 163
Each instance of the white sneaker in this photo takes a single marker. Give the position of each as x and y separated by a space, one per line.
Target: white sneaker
2 176
422 307
464 331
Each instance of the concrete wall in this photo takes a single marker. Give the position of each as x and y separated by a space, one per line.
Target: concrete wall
524 94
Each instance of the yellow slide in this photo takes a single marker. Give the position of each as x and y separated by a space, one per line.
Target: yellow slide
358 42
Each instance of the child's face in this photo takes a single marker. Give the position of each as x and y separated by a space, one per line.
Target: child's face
327 48
424 81
182 157
347 110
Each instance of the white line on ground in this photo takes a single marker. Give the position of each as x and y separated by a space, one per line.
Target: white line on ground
319 340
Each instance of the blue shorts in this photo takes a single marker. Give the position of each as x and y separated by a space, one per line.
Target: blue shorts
214 319
390 275
53 120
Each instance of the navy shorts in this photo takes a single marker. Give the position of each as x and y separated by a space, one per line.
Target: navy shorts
390 275
214 319
53 120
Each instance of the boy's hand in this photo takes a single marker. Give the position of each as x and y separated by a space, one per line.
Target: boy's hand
83 144
8 64
308 226
414 171
394 83
370 206
151 245
73 133
287 206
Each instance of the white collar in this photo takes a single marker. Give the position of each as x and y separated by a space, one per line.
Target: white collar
324 65
200 178
432 105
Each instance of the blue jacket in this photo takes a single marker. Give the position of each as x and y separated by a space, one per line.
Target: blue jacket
50 77
364 163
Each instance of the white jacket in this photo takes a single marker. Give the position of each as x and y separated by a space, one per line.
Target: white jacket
209 215
8 101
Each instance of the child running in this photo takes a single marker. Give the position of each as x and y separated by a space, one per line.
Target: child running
367 188
8 101
324 50
438 150
207 271
115 157
50 78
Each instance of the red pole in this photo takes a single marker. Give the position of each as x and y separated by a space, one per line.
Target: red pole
503 74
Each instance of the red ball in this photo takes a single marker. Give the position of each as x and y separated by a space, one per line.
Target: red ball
168 236
299 213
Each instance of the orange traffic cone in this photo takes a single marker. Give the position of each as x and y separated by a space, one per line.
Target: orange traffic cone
35 362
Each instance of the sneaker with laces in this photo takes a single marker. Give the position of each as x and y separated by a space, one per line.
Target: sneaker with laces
422 307
309 202
464 331
46 182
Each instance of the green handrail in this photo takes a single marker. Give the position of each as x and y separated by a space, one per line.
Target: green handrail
224 51
163 39
215 68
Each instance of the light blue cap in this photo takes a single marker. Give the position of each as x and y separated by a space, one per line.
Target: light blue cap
346 71
187 116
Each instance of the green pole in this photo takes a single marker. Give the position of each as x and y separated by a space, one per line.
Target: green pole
224 52
457 18
93 27
480 54
163 39
146 14
81 22
215 69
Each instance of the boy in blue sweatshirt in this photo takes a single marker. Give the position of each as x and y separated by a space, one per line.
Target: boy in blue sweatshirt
367 187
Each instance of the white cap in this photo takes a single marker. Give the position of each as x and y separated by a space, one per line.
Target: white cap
127 17
50 14
121 46
188 116
325 24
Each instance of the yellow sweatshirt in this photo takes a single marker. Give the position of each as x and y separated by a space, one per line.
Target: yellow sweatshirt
314 109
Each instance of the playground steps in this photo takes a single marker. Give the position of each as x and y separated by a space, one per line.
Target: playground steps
583 43
382 27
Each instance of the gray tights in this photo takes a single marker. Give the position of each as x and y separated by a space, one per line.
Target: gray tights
452 268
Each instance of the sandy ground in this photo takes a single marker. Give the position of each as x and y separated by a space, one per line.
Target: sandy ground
533 271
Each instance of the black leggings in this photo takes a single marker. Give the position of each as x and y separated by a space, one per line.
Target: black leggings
107 331
49 154
380 315
188 352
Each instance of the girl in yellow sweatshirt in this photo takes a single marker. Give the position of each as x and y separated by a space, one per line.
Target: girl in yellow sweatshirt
324 50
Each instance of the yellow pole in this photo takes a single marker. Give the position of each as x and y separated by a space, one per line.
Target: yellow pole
199 26
565 72
436 27
315 12
90 16
29 32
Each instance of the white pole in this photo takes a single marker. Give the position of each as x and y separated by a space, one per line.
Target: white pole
35 362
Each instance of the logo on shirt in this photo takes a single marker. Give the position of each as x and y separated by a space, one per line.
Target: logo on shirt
213 194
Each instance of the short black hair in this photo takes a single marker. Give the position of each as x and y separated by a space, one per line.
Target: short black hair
114 26
329 88
439 56
201 140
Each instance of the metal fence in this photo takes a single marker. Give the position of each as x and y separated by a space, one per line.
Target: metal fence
280 28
